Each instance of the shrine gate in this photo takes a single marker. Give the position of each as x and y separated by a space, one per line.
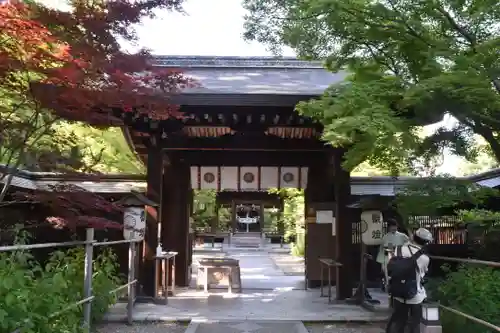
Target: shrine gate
240 133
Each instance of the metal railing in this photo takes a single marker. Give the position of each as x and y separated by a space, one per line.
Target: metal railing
89 244
460 313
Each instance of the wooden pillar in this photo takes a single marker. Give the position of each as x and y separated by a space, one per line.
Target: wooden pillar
319 195
175 215
233 216
146 272
261 218
343 227
215 221
190 225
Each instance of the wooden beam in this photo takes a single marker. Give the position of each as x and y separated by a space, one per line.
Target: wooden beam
230 116
226 197
244 158
240 142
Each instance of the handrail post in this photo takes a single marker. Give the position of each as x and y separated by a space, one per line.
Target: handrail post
87 283
131 278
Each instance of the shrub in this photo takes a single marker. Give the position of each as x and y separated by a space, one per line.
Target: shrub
473 290
30 294
299 247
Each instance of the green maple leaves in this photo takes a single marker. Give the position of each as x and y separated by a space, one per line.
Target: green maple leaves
411 63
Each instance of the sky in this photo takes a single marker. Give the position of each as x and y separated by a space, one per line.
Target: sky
214 28
209 27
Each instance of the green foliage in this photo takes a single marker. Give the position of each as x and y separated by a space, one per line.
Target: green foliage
366 170
428 197
484 161
271 220
473 290
486 217
204 211
106 150
293 215
362 118
21 126
30 294
75 147
299 246
406 64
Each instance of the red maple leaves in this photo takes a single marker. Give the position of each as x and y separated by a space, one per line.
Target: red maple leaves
73 63
68 65
71 206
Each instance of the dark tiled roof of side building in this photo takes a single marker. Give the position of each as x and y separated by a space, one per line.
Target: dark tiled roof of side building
123 183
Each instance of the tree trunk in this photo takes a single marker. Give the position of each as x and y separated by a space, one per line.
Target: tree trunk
487 134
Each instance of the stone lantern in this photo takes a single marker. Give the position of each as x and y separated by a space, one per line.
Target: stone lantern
134 216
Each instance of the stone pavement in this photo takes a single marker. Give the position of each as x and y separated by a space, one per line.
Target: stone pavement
279 304
184 328
288 264
142 328
269 295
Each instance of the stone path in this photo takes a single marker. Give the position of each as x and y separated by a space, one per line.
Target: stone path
289 264
345 328
259 270
241 327
142 328
279 304
247 327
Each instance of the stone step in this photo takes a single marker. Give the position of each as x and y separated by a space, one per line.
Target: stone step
245 240
247 235
246 326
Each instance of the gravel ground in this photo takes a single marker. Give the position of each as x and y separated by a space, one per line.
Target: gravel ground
142 328
345 328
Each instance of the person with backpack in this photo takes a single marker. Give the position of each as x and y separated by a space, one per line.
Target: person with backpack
392 239
406 270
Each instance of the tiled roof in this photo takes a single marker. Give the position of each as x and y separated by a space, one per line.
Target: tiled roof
253 76
105 184
385 186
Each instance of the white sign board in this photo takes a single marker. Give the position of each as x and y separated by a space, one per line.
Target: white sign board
247 220
372 227
134 223
324 216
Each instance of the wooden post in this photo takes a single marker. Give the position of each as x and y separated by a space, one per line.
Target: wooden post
176 212
343 228
146 272
261 218
319 195
233 216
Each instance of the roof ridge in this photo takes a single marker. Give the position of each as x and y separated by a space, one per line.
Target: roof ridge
235 62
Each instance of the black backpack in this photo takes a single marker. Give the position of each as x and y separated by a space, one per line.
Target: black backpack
402 273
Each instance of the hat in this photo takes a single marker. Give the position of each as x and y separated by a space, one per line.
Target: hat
424 234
